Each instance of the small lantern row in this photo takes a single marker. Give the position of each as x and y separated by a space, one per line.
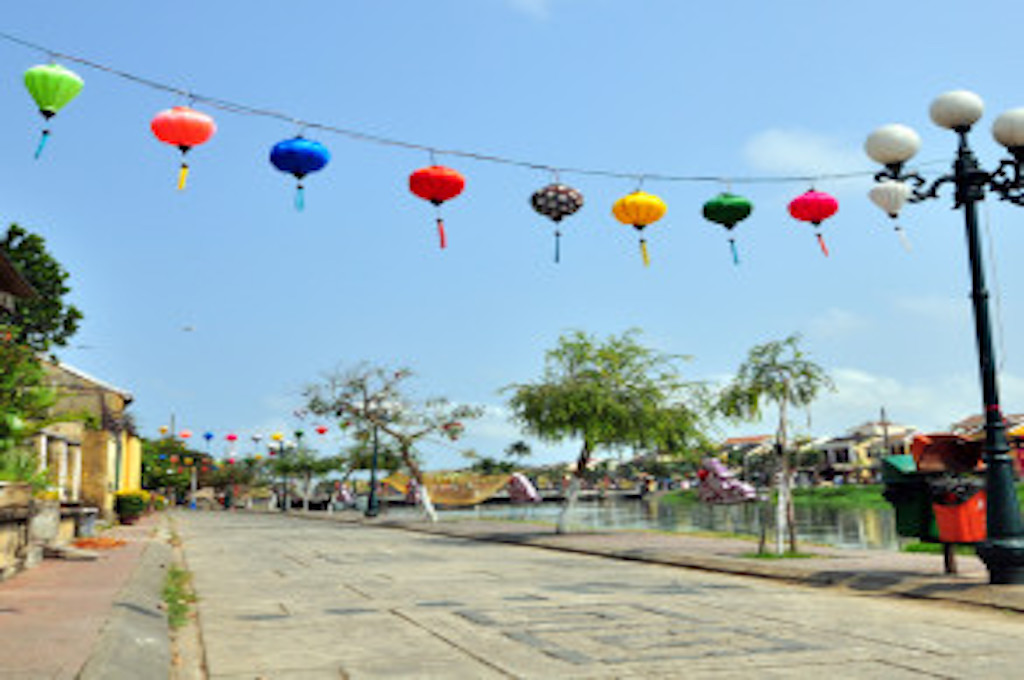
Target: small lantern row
53 86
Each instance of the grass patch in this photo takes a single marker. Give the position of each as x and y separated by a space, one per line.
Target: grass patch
680 497
178 596
784 556
935 548
845 496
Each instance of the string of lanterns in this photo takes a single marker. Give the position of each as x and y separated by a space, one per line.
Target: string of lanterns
53 87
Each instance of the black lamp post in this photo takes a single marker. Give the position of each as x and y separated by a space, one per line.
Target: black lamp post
372 507
893 145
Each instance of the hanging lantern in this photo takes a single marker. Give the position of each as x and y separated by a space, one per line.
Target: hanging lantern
321 429
164 429
52 87
640 209
728 210
891 196
185 434
232 437
184 128
299 157
231 461
557 201
437 184
207 436
277 436
814 207
188 460
174 459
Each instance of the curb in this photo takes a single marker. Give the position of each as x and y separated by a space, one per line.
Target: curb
135 642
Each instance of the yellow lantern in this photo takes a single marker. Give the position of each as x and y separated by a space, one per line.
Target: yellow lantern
164 429
277 436
640 209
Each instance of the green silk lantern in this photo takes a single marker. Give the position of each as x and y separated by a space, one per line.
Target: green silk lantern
52 87
728 210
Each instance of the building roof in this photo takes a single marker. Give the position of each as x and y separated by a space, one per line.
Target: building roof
742 441
974 424
95 382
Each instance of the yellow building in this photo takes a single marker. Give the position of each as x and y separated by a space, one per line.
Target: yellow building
94 453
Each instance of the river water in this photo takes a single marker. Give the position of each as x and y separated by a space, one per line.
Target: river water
846 528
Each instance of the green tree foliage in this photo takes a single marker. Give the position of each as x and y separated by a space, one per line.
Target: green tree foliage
24 395
46 319
615 394
779 374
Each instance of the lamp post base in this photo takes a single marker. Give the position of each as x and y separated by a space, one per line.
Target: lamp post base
1004 558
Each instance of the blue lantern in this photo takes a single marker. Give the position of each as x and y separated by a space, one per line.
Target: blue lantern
299 157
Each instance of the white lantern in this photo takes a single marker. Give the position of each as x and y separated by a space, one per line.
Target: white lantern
957 109
892 144
890 196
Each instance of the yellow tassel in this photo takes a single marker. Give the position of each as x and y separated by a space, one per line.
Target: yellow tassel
643 252
182 176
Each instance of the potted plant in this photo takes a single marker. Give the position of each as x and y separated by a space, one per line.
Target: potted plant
129 505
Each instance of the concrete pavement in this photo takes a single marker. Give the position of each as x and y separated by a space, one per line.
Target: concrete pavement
286 597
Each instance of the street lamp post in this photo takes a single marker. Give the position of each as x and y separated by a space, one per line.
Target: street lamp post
372 508
892 146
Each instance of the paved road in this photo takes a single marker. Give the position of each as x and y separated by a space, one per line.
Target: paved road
286 598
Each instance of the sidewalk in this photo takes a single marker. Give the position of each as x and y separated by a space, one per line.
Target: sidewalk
882 572
72 618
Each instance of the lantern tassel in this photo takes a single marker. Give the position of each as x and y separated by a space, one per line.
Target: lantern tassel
441 234
558 247
643 252
182 176
904 240
300 198
42 143
735 253
821 242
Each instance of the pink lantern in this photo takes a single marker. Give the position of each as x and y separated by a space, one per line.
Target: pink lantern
232 437
814 207
231 461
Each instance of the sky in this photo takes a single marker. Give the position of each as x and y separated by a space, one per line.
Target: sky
215 306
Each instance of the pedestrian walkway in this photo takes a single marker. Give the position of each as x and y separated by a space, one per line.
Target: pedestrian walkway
53 616
882 571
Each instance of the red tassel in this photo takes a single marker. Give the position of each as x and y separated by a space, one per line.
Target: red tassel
440 233
821 242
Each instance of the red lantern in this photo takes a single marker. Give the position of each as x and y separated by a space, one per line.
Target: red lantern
321 429
231 461
437 184
185 434
184 128
232 437
814 207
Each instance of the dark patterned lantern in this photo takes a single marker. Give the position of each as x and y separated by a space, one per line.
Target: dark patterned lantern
557 201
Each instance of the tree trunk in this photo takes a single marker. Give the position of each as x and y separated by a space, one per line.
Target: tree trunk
783 503
574 490
414 472
305 493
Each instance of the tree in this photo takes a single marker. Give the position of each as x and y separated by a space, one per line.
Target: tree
375 400
613 393
777 373
46 319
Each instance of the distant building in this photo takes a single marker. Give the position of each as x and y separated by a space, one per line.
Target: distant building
857 455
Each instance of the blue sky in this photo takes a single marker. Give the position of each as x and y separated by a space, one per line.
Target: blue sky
727 89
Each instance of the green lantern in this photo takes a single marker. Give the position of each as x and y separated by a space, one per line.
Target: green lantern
728 210
52 87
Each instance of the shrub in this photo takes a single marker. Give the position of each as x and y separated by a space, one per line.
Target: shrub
131 503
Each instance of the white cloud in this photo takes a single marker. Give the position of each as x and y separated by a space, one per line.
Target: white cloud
945 310
800 152
836 323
